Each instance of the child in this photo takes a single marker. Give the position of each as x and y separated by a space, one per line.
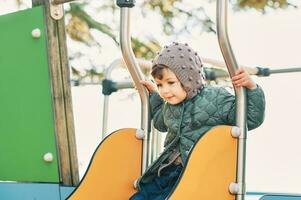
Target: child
183 106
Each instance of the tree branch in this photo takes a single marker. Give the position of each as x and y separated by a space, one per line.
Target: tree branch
78 11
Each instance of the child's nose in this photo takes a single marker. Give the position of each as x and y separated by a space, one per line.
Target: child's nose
165 90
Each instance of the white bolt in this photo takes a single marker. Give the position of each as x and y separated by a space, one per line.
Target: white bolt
56 12
36 33
140 134
48 157
135 183
235 132
233 188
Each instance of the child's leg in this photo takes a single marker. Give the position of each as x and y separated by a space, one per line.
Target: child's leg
161 186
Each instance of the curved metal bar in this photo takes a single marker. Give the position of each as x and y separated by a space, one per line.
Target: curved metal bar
119 62
241 98
134 69
105 111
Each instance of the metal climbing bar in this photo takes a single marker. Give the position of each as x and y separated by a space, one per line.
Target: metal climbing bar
116 63
241 99
288 70
136 74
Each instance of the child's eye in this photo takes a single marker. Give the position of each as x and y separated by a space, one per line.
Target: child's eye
171 82
159 85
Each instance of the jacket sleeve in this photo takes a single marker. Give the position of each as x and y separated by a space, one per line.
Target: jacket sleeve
255 107
156 106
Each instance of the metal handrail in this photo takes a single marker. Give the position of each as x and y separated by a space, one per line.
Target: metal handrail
116 63
137 75
240 94
260 71
287 70
105 111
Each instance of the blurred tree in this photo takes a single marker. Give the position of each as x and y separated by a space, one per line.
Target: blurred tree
262 5
169 10
177 16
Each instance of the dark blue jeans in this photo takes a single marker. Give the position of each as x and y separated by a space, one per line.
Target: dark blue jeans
161 186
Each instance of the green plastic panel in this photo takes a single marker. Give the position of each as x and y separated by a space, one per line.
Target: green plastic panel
26 116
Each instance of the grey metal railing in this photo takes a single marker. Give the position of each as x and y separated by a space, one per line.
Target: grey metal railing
121 85
136 74
240 94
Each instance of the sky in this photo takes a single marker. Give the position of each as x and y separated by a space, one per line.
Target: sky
271 40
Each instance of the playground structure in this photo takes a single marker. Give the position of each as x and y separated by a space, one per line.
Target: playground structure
41 120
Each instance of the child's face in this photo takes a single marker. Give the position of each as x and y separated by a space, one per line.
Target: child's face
170 88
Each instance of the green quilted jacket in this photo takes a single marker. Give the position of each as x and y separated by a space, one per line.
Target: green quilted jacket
188 121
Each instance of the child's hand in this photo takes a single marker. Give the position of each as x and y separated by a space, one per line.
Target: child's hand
243 79
149 85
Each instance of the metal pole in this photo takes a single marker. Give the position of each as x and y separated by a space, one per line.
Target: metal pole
217 63
116 63
254 70
288 70
154 144
105 111
240 95
134 69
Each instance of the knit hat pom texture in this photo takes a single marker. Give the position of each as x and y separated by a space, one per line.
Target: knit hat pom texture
185 63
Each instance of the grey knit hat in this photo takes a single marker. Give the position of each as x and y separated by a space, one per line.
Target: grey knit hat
186 64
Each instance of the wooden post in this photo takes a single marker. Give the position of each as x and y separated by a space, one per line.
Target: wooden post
61 1
61 94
